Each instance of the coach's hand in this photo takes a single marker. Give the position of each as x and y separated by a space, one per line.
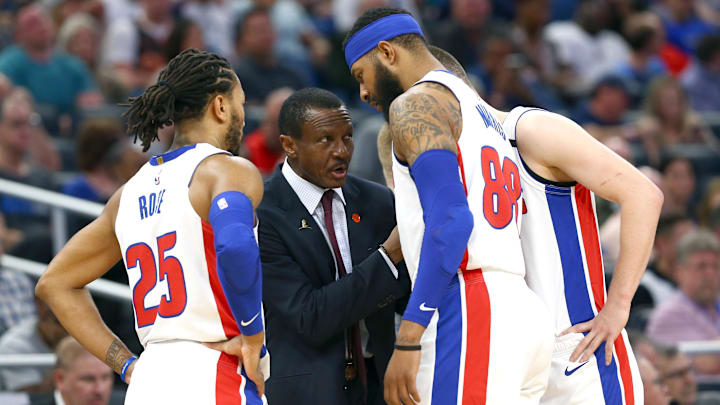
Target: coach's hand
247 349
605 327
400 376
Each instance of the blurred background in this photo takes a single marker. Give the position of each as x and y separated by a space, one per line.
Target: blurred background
641 76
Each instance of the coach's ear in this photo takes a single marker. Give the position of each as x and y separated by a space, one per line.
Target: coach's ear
289 146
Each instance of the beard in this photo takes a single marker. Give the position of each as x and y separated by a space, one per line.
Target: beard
387 89
234 134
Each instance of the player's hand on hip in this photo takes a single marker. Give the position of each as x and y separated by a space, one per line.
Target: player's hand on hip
251 350
400 388
247 349
604 328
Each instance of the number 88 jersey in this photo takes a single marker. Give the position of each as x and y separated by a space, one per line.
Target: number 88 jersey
169 253
490 176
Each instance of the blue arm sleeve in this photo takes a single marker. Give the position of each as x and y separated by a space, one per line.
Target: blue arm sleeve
448 224
238 258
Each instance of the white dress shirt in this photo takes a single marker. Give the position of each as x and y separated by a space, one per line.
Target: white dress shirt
310 196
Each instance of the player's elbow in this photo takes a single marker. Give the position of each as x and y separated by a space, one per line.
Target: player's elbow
43 288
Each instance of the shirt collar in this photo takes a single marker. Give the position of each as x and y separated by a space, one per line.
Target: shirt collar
309 194
58 398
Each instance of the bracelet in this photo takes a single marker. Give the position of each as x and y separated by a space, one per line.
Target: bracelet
126 366
408 347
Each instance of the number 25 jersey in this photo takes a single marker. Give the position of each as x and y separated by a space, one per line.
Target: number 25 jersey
169 253
489 175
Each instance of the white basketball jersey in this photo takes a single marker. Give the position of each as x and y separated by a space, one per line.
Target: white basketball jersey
490 176
560 242
169 253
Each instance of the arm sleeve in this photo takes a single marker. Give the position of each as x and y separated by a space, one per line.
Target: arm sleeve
448 224
238 258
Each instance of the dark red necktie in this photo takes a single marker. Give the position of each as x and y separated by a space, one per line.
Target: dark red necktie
354 340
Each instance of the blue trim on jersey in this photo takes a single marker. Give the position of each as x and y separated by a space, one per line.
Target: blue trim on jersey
577 296
168 156
448 347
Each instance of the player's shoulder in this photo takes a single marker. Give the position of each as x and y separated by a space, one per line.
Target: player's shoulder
222 164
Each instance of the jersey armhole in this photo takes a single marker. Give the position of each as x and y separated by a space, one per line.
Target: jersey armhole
535 176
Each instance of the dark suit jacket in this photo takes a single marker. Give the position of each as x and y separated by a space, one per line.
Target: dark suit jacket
307 310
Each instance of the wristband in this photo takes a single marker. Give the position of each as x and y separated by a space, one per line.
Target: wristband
408 347
126 366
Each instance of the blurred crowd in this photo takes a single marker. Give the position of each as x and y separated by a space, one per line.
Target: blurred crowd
641 76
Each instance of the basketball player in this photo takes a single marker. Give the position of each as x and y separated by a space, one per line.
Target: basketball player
184 227
464 335
562 167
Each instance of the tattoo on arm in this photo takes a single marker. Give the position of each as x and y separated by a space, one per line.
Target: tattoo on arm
419 122
116 355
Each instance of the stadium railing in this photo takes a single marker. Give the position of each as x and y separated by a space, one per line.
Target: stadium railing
59 205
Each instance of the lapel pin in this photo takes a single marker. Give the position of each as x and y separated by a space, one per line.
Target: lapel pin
356 218
304 225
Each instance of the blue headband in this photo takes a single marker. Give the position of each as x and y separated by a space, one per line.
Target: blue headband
383 29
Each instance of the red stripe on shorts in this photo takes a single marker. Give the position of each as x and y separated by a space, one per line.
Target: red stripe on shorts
228 381
477 349
226 318
625 372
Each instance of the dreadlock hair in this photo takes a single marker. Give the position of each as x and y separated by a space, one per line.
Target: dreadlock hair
182 91
407 41
293 112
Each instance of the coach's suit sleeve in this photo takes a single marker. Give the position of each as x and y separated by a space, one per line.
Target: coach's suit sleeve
319 313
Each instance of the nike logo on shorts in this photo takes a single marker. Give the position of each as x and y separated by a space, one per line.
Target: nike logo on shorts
568 372
424 308
244 324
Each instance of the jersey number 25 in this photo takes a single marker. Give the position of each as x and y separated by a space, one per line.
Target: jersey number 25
171 304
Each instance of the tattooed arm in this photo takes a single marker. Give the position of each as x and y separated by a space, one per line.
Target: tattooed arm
425 117
86 257
425 123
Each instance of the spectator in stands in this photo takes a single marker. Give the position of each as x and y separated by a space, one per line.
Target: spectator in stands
679 185
642 345
702 80
668 120
692 312
645 36
465 32
682 24
100 143
260 69
709 203
604 113
586 46
80 378
22 146
63 10
134 48
676 373
655 393
81 36
16 291
263 145
59 82
31 336
185 35
214 20
658 281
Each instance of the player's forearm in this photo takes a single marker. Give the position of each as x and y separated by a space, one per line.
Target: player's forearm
78 314
639 215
